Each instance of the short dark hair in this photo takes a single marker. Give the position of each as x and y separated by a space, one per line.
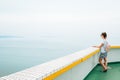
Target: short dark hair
104 34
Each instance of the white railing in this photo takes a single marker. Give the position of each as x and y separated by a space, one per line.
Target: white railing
71 67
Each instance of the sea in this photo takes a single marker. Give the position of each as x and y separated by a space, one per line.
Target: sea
19 53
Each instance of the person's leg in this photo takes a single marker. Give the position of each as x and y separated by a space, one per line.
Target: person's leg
105 62
102 64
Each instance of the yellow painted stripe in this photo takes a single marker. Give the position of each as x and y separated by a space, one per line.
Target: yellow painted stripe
90 55
56 74
115 47
63 70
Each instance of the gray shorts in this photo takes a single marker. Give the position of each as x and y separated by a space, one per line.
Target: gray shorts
103 55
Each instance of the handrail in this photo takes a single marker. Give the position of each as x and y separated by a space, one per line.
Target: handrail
53 69
63 70
117 46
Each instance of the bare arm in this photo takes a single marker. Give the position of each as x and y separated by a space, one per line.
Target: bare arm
99 45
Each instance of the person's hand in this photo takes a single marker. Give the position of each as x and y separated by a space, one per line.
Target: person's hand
93 46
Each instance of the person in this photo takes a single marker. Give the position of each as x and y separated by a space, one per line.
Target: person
104 48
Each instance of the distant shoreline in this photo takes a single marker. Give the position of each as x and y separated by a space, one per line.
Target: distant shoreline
2 36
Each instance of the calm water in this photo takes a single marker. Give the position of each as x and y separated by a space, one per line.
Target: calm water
17 54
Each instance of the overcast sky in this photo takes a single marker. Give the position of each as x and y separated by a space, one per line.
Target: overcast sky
59 17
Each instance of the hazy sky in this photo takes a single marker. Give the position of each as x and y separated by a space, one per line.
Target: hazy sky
59 17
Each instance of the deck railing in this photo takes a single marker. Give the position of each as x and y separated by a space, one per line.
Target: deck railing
75 66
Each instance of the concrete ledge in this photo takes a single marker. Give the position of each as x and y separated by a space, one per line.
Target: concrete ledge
64 68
